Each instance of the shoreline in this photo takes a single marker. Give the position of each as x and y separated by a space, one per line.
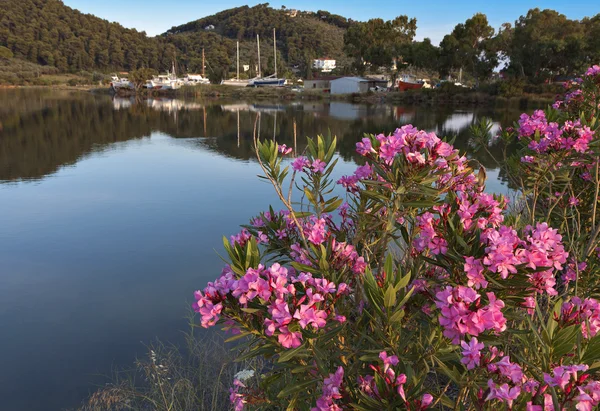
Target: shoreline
412 97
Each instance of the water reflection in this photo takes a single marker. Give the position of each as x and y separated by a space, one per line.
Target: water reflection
42 132
130 200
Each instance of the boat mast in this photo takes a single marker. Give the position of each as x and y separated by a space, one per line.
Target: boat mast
238 62
275 52
258 46
203 62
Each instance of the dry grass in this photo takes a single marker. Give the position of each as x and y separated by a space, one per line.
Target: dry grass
197 378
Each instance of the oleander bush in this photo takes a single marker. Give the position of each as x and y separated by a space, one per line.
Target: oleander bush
418 289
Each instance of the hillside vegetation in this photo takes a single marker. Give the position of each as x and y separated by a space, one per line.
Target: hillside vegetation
48 33
299 39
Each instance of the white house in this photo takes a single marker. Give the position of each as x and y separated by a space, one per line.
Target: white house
324 64
349 85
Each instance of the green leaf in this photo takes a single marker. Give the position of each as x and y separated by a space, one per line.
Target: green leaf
565 341
403 282
237 337
389 299
294 352
295 387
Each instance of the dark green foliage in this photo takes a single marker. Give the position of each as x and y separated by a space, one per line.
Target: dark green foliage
545 43
378 42
5 53
469 47
16 72
47 32
140 76
306 32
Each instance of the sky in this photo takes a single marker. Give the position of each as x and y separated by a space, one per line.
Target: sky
435 18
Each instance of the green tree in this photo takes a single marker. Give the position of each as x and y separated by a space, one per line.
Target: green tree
378 42
545 43
421 54
139 77
469 47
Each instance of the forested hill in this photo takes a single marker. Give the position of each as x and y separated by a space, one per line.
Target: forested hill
47 32
301 36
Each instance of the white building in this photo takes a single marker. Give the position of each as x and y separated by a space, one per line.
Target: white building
349 85
324 64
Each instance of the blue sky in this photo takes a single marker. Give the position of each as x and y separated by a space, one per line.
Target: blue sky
435 18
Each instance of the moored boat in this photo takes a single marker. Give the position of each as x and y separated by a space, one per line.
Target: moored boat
236 81
167 81
267 82
121 83
194 79
272 80
409 83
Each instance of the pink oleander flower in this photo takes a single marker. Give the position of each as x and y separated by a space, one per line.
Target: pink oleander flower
309 315
527 159
593 71
474 270
471 353
289 339
332 390
503 393
563 375
300 163
364 147
400 381
283 149
388 361
317 232
318 166
426 400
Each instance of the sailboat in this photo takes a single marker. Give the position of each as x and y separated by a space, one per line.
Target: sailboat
167 81
272 80
236 81
195 79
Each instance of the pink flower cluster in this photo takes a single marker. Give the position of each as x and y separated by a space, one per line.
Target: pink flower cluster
547 137
585 396
475 209
585 312
428 237
237 398
462 312
394 383
593 71
302 163
542 247
292 302
418 148
332 390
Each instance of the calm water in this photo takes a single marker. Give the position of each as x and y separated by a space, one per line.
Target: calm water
111 212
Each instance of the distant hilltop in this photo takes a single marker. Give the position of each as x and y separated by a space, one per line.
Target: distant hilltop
47 32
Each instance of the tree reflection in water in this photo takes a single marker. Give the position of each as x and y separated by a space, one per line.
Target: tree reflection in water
42 131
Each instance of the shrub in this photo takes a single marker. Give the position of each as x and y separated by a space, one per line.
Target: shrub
5 53
511 88
421 290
